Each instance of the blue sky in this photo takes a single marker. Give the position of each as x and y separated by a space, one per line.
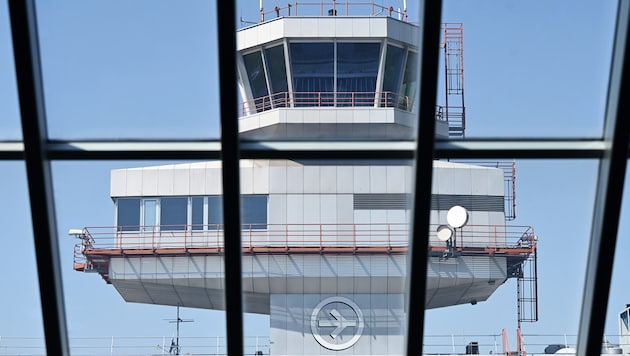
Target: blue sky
148 69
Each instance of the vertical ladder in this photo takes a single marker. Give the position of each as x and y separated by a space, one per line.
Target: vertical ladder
527 290
454 111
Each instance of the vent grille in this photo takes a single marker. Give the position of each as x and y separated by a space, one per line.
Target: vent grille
438 202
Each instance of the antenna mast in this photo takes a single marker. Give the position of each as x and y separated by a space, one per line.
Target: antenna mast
174 349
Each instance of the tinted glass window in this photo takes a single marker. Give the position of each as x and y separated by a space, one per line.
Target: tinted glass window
254 211
357 68
215 213
150 215
313 69
257 82
173 213
391 75
410 82
197 213
274 57
624 319
128 215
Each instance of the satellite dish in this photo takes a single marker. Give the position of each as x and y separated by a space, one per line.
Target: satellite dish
457 216
444 232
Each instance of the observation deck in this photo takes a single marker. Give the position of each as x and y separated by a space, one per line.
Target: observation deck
120 256
331 77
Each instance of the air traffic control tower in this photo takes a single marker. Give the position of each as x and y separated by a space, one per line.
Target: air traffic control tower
324 243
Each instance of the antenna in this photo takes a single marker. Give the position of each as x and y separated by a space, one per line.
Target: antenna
174 349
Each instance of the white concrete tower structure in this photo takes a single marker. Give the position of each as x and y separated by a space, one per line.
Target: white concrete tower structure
324 243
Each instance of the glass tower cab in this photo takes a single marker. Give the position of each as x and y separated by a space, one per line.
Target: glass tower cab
329 78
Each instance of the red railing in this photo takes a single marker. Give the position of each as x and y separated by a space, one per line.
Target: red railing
324 99
321 237
334 8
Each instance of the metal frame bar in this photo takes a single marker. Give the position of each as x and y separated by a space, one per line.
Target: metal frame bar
560 148
430 14
226 33
33 116
610 184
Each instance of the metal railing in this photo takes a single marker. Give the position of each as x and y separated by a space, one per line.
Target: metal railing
325 99
334 8
287 237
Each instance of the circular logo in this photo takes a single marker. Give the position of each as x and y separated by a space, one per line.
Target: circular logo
337 323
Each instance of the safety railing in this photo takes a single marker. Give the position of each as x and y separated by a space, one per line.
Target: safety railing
324 99
334 8
296 237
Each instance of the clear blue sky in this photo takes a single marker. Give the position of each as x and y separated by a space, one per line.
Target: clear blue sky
148 69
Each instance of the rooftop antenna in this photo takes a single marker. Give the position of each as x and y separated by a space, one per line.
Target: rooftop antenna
174 349
262 12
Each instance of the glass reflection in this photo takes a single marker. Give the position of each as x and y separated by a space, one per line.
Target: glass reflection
313 71
357 69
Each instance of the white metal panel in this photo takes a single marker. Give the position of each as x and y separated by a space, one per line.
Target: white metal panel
134 182
311 179
344 115
278 177
327 116
295 209
344 209
495 182
326 27
261 177
343 27
197 181
294 116
378 27
361 116
118 183
479 181
312 209
295 179
277 212
181 180
213 181
328 179
165 180
247 180
149 182
361 179
462 181
311 115
361 27
395 179
378 179
345 179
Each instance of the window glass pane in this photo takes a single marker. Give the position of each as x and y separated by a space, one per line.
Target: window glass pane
555 214
410 82
215 213
254 211
391 76
197 213
276 69
534 82
257 80
20 305
617 328
135 309
9 107
173 213
357 68
150 215
313 68
128 218
124 71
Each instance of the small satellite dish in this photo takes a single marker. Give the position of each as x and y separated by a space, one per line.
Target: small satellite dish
457 216
444 232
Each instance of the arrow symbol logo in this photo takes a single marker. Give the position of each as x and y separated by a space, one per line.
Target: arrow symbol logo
338 322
